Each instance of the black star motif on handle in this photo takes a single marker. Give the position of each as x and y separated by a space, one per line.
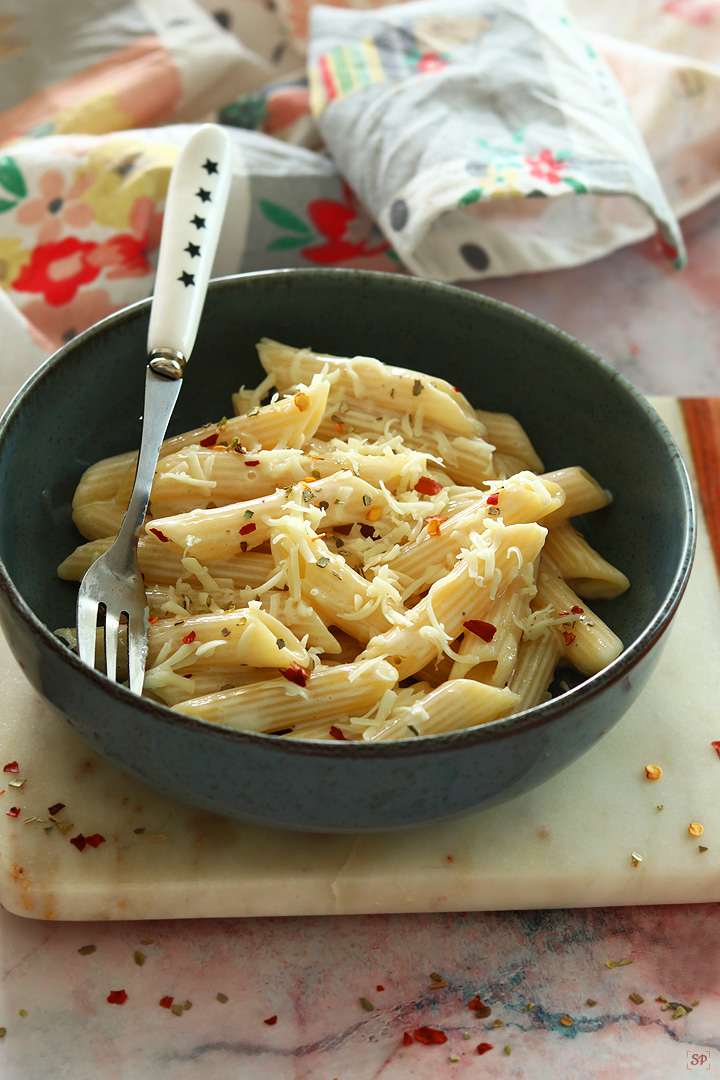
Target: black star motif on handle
192 249
203 194
198 222
210 166
187 279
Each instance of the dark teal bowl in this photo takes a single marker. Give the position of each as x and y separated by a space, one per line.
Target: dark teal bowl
85 403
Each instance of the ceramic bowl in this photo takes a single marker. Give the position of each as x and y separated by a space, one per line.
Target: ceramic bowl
84 403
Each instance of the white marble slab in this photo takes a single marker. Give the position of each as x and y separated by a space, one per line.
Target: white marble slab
566 844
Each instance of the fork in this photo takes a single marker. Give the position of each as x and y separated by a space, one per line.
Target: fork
194 211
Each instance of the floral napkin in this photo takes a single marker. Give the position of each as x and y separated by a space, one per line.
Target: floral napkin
485 138
459 141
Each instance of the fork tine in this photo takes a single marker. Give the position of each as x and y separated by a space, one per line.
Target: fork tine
87 612
112 630
137 650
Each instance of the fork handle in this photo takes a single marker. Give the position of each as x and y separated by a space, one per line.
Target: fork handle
194 211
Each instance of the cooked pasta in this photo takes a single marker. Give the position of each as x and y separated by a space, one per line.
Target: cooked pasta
364 557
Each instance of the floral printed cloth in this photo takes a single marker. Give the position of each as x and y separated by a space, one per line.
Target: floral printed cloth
468 129
456 141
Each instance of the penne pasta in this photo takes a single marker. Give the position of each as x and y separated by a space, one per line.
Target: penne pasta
451 707
584 570
161 564
364 557
277 704
583 494
464 594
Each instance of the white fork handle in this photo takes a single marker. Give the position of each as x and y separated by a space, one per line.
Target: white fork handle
194 212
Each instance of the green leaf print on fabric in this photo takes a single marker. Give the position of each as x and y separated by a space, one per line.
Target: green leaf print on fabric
11 179
577 185
472 196
246 112
284 243
284 218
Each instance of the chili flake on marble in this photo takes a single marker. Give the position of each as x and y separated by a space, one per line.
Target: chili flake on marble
429 1036
117 997
12 766
81 842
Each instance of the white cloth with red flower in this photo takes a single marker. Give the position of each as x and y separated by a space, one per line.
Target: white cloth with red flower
95 100
485 138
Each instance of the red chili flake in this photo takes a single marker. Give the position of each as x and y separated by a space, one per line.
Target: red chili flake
252 464
428 1036
79 841
484 1047
13 811
379 988
153 619
716 747
577 610
12 766
56 808
210 440
427 486
568 638
117 997
337 733
296 674
95 840
161 536
476 1003
270 1021
484 630
250 527
166 1002
492 500
407 1039
189 638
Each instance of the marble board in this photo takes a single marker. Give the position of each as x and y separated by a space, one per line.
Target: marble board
567 844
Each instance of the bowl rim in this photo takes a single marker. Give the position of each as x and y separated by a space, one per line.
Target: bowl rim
492 731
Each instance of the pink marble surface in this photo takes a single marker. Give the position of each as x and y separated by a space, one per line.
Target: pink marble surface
312 973
660 327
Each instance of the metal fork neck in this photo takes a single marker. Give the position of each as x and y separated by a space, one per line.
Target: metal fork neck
170 363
